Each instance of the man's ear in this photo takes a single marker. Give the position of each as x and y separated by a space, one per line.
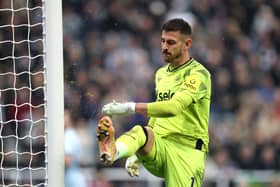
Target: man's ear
188 42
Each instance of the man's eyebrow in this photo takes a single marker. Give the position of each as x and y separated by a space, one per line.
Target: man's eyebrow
167 38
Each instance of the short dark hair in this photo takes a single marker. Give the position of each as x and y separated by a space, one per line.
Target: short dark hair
177 24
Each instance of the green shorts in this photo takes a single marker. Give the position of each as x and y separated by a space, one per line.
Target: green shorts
179 165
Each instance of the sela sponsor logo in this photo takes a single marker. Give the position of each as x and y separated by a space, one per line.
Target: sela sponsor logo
163 96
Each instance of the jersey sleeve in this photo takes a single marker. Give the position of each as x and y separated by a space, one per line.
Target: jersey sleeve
196 85
151 122
169 108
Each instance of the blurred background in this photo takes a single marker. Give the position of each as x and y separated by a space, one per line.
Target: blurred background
111 51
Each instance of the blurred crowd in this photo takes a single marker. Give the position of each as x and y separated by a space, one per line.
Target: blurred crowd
112 49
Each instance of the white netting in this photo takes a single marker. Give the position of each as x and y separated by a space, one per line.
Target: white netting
22 101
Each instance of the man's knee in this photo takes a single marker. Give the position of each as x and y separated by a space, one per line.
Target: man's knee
147 147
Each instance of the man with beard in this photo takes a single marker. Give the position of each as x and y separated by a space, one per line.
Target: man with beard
174 144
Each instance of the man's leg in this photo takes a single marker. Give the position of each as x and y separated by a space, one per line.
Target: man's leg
138 138
147 148
184 166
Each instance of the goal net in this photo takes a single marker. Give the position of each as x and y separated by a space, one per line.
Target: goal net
24 130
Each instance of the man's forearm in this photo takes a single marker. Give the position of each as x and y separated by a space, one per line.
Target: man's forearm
164 108
169 108
157 109
141 108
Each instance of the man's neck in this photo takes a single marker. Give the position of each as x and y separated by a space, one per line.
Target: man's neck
171 67
181 61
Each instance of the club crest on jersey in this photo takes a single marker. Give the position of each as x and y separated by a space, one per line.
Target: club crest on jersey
163 96
192 83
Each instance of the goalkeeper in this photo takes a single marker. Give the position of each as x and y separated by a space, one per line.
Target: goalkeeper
174 144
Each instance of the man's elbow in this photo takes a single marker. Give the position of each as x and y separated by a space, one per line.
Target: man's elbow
174 112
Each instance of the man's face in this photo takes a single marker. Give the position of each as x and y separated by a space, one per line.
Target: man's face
173 45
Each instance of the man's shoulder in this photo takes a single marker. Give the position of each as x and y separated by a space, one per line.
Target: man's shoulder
196 66
162 69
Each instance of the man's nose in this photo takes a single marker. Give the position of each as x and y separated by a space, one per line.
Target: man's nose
164 47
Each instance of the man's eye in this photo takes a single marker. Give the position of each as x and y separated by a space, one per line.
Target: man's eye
171 42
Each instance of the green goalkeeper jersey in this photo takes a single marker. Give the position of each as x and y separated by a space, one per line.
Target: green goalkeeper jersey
186 90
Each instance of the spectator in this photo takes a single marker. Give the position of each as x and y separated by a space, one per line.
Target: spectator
73 175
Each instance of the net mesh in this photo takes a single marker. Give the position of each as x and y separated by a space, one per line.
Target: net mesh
22 94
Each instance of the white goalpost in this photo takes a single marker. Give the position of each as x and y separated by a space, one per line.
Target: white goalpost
55 98
31 93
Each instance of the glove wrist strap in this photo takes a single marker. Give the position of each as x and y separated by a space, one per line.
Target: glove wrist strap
131 107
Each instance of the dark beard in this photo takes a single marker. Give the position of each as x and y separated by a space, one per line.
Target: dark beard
174 58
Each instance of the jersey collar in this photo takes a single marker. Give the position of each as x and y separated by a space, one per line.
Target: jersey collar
169 69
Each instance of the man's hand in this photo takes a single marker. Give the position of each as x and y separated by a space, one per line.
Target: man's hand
118 108
132 166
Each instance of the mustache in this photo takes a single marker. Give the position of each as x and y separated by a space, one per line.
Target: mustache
165 52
